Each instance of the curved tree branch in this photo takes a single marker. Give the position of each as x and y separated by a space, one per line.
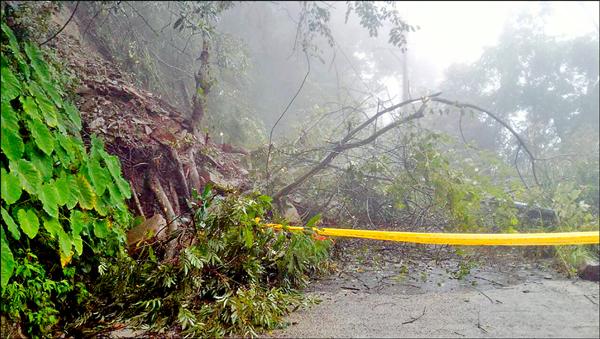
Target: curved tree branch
267 174
344 144
63 27
501 122
517 166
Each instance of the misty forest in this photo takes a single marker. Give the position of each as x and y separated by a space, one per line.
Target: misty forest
168 168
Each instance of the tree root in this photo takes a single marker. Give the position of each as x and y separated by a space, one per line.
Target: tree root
167 208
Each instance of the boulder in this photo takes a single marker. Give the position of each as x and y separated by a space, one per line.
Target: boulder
590 271
147 230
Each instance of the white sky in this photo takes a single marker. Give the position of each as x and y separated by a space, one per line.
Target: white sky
458 31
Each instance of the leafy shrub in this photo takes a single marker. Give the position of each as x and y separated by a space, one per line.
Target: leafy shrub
237 277
62 206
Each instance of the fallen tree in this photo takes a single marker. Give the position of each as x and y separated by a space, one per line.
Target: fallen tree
348 141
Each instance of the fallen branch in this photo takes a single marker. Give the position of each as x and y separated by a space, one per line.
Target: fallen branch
479 323
487 296
344 144
350 288
412 320
267 174
489 280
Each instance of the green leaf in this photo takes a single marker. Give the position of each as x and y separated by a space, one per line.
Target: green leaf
9 118
63 158
313 221
48 194
115 194
78 221
101 228
28 175
11 87
11 143
100 176
15 49
30 108
97 150
42 136
114 166
87 198
101 205
53 227
8 261
77 243
48 111
11 187
29 222
68 145
73 115
12 40
123 187
10 224
66 194
74 188
50 89
37 62
41 162
65 243
248 237
47 107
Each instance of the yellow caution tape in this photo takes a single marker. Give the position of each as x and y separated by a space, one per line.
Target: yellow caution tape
472 239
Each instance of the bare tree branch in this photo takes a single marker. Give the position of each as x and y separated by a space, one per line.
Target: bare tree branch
506 125
267 174
63 27
517 167
345 145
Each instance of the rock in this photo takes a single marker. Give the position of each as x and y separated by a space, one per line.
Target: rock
218 180
147 230
228 148
590 271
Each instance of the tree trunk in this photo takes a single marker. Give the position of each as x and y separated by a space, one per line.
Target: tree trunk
203 84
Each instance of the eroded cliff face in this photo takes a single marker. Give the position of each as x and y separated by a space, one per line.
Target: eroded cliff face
163 161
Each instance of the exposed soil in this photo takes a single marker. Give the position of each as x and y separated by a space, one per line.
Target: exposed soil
161 155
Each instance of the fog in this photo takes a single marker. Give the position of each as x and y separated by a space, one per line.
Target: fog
358 65
283 72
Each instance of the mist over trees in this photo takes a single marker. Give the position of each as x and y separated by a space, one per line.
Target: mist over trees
290 80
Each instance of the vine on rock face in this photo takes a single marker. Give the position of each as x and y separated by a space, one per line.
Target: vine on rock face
63 204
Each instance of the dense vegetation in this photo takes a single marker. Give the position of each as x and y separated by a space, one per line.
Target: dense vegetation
236 276
63 234
63 205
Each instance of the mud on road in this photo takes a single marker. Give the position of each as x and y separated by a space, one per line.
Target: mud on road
410 291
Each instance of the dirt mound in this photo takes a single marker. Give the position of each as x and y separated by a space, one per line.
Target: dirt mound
162 160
